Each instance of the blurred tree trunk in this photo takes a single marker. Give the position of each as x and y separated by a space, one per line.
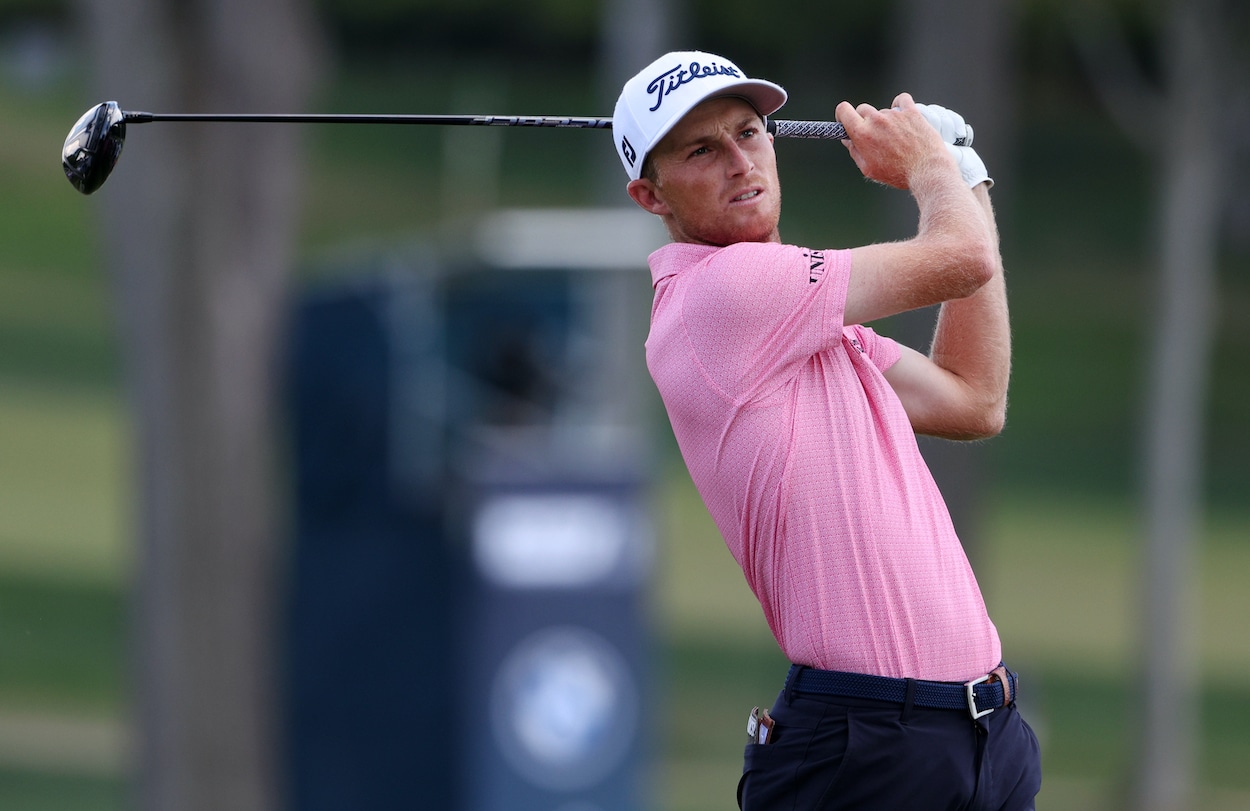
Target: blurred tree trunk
1186 130
632 33
1182 333
198 227
959 54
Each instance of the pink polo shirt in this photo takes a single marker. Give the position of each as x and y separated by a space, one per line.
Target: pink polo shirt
808 464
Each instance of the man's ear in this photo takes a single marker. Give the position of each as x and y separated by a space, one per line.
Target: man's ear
648 196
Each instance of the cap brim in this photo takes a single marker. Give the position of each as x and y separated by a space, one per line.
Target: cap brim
766 97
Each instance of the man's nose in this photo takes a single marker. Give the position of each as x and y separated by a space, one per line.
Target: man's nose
740 162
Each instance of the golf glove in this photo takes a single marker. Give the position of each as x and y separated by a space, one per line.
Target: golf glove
957 134
971 167
949 124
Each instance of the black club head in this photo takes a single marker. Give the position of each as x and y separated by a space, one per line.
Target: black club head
93 146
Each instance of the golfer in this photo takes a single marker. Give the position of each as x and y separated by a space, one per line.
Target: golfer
798 426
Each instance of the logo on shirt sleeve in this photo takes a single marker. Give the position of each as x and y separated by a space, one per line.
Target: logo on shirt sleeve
816 265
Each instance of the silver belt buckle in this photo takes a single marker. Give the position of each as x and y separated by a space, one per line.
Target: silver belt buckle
969 688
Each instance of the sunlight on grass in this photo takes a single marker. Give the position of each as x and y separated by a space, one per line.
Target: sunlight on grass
1062 583
1058 580
1225 600
64 485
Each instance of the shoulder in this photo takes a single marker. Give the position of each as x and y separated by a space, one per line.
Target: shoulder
766 263
759 252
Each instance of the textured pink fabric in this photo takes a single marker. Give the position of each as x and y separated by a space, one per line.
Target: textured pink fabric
808 464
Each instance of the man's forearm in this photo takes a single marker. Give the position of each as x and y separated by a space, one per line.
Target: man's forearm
973 335
954 252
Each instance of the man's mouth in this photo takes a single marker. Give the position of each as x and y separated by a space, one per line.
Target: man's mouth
747 195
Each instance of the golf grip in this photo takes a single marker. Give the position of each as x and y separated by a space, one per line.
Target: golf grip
807 129
831 129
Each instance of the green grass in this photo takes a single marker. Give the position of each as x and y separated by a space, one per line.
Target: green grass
65 494
64 644
56 327
36 791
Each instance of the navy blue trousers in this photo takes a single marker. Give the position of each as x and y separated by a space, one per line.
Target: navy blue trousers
835 754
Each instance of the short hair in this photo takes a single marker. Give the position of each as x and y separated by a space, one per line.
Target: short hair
650 171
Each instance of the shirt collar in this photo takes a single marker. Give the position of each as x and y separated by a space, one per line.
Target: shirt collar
675 257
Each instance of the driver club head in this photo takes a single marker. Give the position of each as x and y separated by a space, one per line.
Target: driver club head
93 146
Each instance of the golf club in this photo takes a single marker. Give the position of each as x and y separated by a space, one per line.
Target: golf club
95 143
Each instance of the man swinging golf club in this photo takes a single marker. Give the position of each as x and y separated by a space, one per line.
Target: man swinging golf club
798 426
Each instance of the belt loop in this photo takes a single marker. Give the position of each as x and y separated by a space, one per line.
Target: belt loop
791 678
909 700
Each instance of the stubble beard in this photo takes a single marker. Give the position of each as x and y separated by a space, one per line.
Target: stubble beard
722 235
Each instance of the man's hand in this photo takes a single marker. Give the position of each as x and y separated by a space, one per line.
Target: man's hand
955 250
890 146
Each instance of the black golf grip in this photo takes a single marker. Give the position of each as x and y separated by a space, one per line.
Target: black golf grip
830 130
807 129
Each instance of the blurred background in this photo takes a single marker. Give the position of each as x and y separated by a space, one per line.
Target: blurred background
294 456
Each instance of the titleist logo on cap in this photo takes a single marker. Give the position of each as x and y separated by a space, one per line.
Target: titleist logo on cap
639 123
671 79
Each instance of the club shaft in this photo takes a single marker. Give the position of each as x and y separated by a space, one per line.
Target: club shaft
444 120
782 128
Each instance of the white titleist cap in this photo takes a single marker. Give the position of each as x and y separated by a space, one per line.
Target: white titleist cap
656 98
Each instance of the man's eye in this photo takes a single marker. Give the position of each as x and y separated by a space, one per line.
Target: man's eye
749 133
699 151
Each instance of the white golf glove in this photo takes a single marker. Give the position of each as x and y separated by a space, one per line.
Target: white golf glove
949 124
971 167
957 134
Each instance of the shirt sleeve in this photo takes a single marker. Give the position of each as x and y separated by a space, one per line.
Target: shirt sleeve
754 310
882 351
